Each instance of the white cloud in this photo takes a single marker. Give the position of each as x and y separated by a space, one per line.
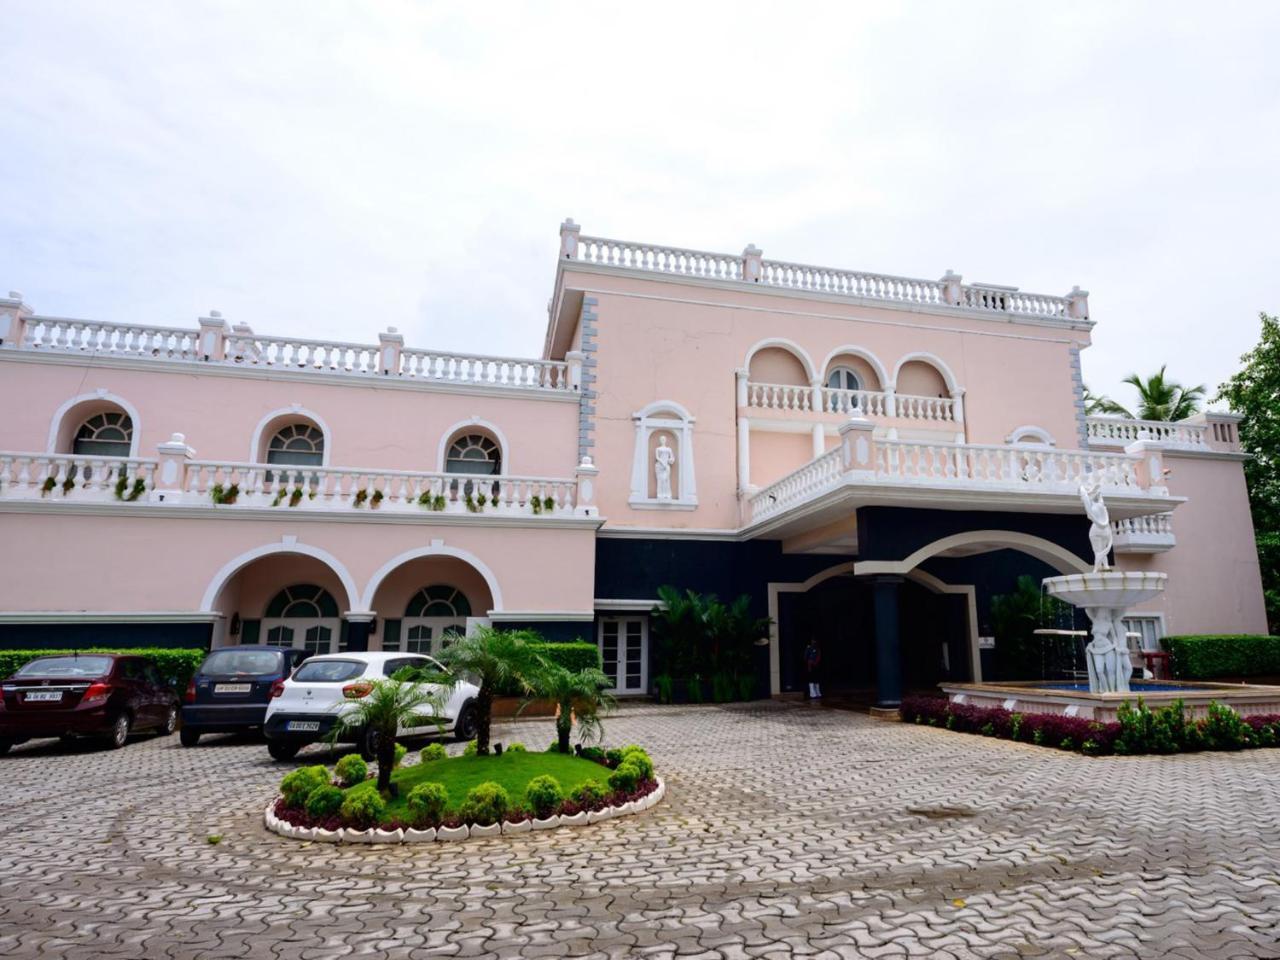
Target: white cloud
332 169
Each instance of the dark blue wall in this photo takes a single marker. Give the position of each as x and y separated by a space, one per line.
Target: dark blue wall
893 533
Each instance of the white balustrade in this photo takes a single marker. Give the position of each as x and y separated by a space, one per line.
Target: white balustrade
430 365
956 466
1155 525
253 350
814 478
110 339
780 396
860 403
651 258
59 476
659 259
1115 431
911 407
342 488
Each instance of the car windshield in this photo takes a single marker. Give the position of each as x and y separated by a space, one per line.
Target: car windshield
66 667
241 663
328 671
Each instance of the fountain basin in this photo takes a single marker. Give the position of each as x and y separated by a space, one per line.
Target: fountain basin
1114 589
1075 700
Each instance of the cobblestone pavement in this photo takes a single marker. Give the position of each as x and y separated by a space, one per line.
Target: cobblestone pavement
786 830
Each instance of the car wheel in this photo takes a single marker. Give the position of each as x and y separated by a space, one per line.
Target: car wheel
368 745
465 728
283 751
170 721
188 738
119 734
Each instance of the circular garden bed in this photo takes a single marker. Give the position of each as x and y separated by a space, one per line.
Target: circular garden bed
443 798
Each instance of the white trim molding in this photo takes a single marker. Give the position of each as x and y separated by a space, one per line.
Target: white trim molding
542 616
1060 558
436 549
285 546
605 605
923 356
452 433
849 350
109 616
1031 435
101 395
257 451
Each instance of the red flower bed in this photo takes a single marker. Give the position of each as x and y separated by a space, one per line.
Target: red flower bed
1046 729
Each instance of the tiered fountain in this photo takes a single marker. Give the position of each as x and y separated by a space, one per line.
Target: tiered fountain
1105 595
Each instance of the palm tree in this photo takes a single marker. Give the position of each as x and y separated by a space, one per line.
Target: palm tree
381 708
580 694
497 660
1158 399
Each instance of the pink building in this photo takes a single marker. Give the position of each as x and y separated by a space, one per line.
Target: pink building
871 458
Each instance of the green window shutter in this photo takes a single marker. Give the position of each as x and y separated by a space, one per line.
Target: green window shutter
390 634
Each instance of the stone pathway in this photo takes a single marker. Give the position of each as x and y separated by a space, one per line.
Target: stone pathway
787 831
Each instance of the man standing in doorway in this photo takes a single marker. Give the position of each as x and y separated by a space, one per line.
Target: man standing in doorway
812 659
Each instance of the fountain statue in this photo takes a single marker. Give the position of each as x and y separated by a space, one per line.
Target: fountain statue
1105 595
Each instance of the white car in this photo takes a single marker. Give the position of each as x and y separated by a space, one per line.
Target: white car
305 708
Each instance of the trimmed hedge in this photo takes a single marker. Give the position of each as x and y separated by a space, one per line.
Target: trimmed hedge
176 666
574 656
1203 656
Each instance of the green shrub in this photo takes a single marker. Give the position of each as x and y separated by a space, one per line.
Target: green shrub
324 801
427 802
613 757
638 756
626 777
1223 729
594 754
176 666
517 748
363 806
1200 657
574 657
486 803
543 794
297 785
401 752
433 751
589 793
351 770
470 749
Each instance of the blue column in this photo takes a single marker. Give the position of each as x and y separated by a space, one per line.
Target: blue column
358 634
888 649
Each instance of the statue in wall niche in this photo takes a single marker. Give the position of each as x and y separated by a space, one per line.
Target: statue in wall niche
663 458
1095 509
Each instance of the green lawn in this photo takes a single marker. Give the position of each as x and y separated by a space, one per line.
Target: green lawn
512 770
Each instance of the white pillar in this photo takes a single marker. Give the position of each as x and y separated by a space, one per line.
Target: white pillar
819 442
744 454
569 239
390 344
815 389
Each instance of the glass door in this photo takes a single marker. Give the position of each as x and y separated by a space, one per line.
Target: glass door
624 653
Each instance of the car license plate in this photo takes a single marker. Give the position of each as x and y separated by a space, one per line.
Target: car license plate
232 687
36 696
304 726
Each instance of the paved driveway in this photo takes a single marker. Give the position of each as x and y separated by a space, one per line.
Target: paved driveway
787 830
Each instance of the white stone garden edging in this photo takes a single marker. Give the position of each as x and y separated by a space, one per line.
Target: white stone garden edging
448 834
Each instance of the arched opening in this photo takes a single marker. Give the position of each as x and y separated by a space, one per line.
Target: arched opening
778 364
99 425
283 597
919 378
847 370
424 601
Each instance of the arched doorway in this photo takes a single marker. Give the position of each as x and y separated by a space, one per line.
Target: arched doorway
303 616
423 600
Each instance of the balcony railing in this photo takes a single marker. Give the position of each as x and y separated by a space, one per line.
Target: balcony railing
955 467
792 398
1152 534
65 478
1210 431
241 347
751 267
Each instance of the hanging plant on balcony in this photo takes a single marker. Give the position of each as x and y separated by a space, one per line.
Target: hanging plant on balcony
434 502
472 505
535 503
295 497
125 492
376 499
221 494
548 504
49 484
361 496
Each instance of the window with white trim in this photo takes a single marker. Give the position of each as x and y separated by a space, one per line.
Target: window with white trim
303 616
433 617
843 378
297 444
474 453
106 434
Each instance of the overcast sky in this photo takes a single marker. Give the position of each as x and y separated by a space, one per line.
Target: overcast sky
328 169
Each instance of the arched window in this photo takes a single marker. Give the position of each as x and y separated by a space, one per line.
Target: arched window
473 453
297 444
106 434
433 617
304 616
843 378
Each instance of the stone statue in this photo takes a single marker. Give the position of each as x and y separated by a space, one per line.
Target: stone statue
1100 537
1107 654
663 457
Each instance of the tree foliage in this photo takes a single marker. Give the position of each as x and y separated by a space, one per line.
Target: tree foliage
1015 617
700 636
385 708
497 660
1254 392
580 695
1159 398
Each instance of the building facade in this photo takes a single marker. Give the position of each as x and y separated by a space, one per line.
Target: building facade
870 458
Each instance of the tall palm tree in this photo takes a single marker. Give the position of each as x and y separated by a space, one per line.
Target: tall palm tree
581 694
1159 398
380 709
497 660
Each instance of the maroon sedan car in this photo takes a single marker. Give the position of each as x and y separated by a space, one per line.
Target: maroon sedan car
90 694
